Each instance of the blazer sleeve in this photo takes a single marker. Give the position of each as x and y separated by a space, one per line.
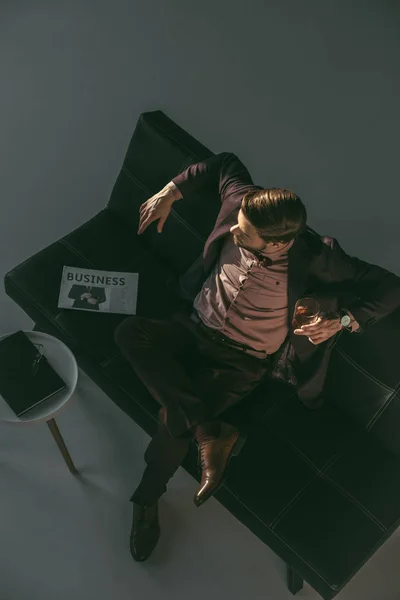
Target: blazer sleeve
221 173
377 289
354 327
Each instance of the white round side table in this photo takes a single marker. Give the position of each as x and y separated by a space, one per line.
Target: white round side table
63 361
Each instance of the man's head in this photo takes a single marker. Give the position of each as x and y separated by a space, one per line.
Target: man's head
269 219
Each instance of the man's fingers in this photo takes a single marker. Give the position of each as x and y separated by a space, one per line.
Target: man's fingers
311 329
145 224
143 215
311 325
308 331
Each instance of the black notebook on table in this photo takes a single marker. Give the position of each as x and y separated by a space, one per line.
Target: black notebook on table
26 377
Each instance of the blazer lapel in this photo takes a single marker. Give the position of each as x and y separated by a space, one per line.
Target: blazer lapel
300 256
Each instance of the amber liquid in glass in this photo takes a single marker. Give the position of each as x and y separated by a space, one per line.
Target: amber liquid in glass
303 316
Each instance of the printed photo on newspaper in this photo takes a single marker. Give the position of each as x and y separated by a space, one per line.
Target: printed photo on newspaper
104 291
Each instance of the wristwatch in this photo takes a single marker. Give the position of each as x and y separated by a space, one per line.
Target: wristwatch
344 319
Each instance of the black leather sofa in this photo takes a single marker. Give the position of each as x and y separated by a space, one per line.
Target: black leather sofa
320 487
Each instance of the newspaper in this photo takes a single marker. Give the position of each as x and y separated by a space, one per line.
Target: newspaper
104 291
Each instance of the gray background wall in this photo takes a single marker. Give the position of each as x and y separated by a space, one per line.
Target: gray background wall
307 95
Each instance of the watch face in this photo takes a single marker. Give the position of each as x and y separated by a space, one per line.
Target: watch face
345 320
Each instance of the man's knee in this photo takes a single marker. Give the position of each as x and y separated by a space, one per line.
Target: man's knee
127 330
141 333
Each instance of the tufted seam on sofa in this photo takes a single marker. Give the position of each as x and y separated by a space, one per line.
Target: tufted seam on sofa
109 359
363 371
382 409
173 211
361 506
300 493
322 475
186 163
20 265
135 179
167 134
75 250
370 552
280 538
188 226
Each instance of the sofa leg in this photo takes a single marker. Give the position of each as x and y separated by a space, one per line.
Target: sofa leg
295 582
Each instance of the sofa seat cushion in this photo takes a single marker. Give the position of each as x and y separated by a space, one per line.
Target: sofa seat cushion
302 481
287 447
101 243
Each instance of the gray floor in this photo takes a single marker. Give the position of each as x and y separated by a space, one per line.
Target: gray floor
308 98
66 536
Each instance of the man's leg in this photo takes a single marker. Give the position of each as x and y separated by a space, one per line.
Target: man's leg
163 457
225 379
223 375
154 348
220 376
157 350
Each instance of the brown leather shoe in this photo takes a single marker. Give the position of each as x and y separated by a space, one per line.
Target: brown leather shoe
145 531
214 456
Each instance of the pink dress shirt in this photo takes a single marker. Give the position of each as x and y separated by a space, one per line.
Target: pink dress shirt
245 297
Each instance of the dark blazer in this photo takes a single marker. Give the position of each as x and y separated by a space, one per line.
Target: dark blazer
96 292
317 266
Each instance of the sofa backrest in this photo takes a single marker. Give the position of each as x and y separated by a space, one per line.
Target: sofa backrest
364 372
158 151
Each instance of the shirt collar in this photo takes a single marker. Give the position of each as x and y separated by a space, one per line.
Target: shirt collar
273 255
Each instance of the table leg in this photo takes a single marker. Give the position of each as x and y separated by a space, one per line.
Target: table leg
61 444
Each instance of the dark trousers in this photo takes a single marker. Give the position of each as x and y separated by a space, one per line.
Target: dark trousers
193 375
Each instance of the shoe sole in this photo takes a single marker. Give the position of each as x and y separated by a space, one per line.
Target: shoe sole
236 448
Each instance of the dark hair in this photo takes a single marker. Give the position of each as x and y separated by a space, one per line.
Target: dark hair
277 214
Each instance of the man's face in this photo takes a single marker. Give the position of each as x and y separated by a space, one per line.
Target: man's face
245 236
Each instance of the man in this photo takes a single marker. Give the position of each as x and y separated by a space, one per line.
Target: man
258 261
